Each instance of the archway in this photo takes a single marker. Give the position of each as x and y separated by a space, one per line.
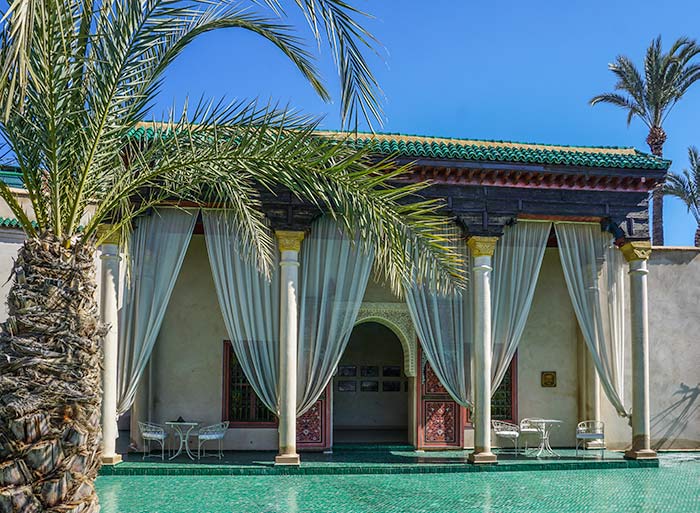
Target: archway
371 393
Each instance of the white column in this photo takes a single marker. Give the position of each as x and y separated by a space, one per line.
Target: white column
289 245
637 254
109 280
482 249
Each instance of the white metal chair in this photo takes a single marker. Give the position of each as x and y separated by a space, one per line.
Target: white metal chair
153 432
590 430
506 430
528 428
210 433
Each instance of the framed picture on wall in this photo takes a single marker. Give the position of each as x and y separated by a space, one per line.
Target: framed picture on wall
369 386
347 371
391 386
391 371
548 379
369 371
347 386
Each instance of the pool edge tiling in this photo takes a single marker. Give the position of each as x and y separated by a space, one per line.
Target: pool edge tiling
355 463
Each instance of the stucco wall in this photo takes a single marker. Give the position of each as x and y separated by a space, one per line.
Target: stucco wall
674 363
10 242
549 344
187 362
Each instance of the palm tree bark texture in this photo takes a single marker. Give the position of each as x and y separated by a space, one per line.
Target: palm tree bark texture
656 140
50 385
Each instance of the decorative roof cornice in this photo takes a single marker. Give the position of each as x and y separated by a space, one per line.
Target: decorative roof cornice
475 150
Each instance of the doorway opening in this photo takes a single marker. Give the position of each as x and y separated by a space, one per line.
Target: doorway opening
370 390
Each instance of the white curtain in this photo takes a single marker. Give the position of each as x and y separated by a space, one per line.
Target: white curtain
516 267
445 329
249 303
595 276
158 246
334 275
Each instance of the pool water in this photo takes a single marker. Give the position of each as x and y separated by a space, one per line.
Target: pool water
674 487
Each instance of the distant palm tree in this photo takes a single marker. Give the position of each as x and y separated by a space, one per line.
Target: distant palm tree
686 186
667 77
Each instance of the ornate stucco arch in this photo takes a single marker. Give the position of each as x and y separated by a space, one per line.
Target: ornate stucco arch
397 318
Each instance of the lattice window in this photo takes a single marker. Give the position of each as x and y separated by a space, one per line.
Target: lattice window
502 403
241 403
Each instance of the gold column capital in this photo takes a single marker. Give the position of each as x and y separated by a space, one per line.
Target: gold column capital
107 233
636 250
288 240
482 245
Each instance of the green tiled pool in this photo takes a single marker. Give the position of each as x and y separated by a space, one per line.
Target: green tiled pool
673 487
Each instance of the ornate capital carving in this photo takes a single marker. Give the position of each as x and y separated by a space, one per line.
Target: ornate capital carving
289 240
397 318
637 250
107 233
482 246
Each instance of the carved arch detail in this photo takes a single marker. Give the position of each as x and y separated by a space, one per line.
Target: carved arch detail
397 318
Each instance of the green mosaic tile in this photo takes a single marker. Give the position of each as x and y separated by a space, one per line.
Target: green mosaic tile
672 487
412 146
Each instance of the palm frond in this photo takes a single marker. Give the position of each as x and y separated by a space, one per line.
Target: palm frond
349 40
686 186
666 77
230 153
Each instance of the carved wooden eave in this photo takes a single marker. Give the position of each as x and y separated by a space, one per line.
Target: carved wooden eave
536 176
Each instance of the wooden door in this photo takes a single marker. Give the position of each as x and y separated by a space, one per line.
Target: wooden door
440 419
313 427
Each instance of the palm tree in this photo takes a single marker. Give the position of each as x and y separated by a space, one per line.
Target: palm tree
667 77
79 77
686 186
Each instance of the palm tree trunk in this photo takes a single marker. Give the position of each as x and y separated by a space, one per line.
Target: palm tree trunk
50 381
657 217
697 237
656 140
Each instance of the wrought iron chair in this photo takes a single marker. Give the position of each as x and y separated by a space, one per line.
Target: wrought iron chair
211 433
588 431
153 432
528 428
506 430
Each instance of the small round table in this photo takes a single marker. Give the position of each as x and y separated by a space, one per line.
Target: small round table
545 426
183 430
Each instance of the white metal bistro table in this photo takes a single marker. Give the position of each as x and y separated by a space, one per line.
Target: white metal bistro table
183 430
545 426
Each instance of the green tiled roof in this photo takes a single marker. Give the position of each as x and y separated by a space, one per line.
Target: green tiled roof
418 147
475 150
9 222
11 177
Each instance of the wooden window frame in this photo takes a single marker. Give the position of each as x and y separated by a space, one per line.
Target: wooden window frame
513 393
226 396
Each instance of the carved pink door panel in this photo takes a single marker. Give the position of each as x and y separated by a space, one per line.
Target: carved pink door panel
440 419
313 427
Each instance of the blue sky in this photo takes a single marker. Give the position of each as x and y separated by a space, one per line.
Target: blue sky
510 70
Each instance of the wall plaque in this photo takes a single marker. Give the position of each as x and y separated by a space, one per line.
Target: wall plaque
548 379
